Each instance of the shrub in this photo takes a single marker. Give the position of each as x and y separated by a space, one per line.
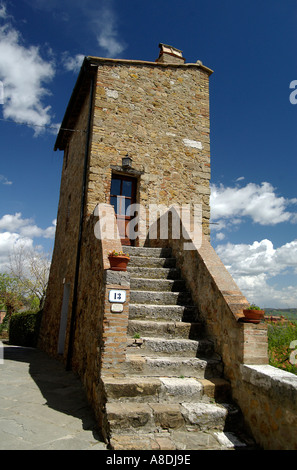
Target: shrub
280 336
24 328
4 325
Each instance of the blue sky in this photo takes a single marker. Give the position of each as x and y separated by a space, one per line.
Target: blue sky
250 45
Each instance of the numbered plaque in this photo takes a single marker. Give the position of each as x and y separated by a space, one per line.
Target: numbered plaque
117 296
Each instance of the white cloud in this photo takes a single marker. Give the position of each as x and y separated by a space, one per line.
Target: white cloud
24 73
254 267
99 17
72 64
18 231
258 202
220 236
107 36
3 11
4 180
8 242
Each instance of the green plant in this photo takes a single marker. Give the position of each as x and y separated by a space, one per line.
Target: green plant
136 336
253 307
4 325
280 337
118 253
24 328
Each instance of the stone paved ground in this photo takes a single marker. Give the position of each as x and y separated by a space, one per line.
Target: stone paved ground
42 406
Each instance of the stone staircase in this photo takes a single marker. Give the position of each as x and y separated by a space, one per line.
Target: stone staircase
173 395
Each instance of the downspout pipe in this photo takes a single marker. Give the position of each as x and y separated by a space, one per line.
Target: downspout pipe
79 243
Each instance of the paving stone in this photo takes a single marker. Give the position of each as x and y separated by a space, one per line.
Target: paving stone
134 442
168 329
132 388
204 416
151 262
133 417
167 416
180 346
162 285
229 440
217 388
153 273
180 389
148 252
172 366
159 298
42 406
195 441
162 312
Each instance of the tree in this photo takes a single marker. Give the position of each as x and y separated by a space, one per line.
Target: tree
31 268
10 294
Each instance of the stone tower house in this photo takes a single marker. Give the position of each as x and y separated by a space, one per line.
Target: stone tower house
136 132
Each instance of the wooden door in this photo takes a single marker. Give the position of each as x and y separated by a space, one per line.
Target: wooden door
122 195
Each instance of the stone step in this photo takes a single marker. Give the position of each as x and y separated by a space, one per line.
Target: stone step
124 417
180 441
150 262
154 390
154 366
129 417
164 346
160 298
163 312
148 252
153 273
163 285
167 329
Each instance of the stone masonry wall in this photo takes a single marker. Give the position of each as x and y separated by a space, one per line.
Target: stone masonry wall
100 336
159 115
268 399
64 255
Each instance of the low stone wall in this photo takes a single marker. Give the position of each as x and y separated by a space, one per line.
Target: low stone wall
268 400
257 387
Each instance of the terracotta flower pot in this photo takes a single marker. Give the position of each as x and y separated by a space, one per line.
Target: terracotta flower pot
253 316
118 263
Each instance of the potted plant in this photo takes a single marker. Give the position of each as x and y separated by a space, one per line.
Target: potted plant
253 314
118 260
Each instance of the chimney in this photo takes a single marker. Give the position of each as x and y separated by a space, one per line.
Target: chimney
170 55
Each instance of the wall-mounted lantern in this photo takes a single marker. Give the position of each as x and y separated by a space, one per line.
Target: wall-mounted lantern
127 162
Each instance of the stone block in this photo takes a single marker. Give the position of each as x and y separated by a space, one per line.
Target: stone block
167 416
204 416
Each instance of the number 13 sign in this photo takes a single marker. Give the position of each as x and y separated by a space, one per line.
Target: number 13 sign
118 296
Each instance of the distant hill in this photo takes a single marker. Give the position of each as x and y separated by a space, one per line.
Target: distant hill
289 313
